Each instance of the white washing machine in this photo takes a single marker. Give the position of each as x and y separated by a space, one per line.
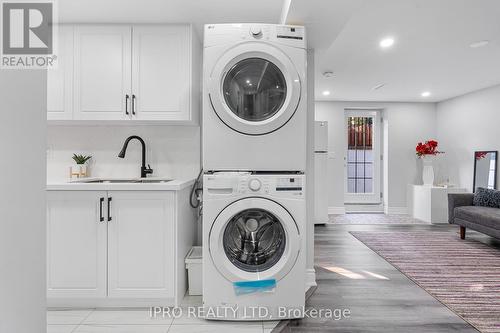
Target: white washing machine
254 97
253 246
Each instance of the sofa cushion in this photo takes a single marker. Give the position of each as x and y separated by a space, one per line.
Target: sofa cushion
486 216
487 198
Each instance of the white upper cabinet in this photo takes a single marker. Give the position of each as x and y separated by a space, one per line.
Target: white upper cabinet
102 72
139 73
60 78
161 71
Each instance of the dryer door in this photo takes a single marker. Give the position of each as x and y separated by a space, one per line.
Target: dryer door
254 88
254 239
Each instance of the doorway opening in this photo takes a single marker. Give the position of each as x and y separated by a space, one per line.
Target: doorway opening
362 175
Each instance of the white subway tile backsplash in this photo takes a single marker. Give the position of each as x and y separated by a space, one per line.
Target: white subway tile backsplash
172 151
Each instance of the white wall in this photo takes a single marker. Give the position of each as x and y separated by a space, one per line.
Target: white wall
407 123
172 151
22 201
466 124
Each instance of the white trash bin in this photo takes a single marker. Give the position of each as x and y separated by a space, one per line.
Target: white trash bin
194 266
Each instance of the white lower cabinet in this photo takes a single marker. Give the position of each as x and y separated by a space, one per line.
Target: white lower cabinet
141 244
76 245
117 248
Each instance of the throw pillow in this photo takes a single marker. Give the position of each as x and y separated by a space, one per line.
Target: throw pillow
487 198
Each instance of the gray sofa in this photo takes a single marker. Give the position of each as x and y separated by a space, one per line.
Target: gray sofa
461 211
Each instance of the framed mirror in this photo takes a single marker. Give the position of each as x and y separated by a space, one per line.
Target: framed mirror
485 169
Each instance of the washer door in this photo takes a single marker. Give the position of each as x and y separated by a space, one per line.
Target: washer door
254 239
254 88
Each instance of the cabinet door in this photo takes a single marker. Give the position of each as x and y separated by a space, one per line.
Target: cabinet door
102 72
141 248
60 78
76 244
161 72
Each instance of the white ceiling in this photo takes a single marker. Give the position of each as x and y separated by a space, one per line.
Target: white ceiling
431 51
197 12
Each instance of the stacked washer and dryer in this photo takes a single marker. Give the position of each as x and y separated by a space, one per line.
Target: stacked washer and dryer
254 158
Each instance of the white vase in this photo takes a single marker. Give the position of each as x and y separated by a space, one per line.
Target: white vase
428 170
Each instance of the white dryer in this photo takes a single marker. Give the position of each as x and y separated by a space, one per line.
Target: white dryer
254 97
253 246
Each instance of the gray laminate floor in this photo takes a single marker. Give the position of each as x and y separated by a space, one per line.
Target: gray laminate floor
353 218
379 297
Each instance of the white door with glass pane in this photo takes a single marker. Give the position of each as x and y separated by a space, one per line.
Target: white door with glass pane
362 157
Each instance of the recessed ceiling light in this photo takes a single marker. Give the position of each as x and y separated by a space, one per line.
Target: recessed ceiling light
480 43
328 74
426 94
326 93
386 42
378 86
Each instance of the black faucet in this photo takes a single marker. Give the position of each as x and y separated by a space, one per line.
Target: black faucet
144 171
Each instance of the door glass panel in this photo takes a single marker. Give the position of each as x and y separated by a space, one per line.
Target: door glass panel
254 240
360 155
254 89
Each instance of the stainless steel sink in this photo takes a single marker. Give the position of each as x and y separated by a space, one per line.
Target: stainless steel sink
122 181
147 180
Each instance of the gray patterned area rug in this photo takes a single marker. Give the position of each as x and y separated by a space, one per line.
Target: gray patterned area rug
373 219
464 275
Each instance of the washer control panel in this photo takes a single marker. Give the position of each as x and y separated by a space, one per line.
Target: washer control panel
246 183
289 184
285 186
254 184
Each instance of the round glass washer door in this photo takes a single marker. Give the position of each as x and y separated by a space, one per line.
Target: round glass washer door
254 92
254 238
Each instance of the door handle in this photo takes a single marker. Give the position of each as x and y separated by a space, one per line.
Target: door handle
133 104
109 209
126 104
101 218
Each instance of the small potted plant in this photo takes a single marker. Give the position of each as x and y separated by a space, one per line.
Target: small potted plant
81 167
427 151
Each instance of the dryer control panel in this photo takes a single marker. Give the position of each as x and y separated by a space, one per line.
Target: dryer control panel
219 34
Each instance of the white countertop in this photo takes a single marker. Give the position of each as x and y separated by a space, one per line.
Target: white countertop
167 185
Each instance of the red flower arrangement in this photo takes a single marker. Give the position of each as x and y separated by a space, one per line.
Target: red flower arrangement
427 148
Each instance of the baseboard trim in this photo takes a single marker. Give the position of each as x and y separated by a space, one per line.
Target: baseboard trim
364 208
397 210
336 210
310 278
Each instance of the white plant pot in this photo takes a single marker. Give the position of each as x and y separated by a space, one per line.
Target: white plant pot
79 171
428 170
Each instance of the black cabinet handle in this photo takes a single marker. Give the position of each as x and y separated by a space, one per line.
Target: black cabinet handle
109 209
101 218
133 104
126 104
